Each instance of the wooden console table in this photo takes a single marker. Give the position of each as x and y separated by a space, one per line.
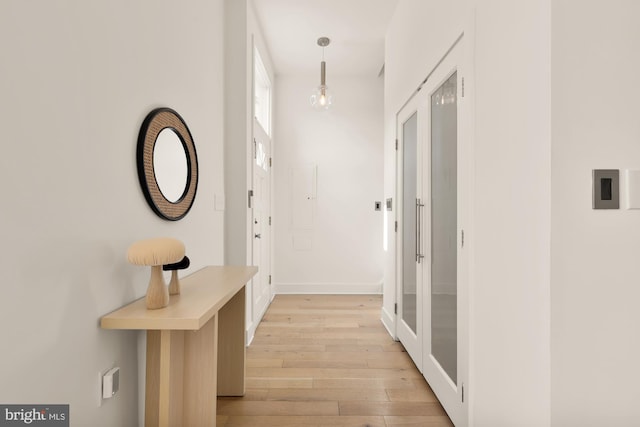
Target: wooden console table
195 345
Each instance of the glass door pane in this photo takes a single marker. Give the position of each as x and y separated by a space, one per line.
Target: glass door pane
444 213
409 192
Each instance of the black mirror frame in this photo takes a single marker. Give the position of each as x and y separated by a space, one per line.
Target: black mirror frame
153 124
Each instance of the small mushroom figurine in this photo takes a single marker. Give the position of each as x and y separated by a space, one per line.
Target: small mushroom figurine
174 284
156 253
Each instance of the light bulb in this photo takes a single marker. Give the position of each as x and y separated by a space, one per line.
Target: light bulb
322 98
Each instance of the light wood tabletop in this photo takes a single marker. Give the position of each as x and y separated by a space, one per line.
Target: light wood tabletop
200 300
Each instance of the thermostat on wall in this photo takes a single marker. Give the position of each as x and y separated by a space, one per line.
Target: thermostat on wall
606 189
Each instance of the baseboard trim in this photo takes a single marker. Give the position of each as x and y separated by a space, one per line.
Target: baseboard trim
329 288
388 320
249 334
251 328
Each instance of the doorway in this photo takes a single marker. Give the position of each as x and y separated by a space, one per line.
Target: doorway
261 223
260 292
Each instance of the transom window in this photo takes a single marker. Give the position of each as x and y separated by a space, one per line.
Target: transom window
262 93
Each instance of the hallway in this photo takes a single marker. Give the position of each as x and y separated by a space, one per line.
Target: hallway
326 360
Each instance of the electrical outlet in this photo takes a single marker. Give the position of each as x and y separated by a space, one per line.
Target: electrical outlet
111 383
110 379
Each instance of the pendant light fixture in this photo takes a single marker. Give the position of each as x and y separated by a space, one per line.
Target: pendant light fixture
321 98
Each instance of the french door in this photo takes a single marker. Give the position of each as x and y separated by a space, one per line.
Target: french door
433 189
410 258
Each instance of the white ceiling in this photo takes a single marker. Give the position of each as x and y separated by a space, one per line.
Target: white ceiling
356 28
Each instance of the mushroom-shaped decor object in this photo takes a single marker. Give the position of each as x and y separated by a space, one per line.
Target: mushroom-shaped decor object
174 284
156 253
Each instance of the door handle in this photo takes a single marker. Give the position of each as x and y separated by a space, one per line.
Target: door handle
419 254
258 236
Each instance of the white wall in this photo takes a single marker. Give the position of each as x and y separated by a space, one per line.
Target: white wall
237 131
595 269
77 80
511 244
345 253
509 293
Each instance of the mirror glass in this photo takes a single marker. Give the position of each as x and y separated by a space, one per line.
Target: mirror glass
170 165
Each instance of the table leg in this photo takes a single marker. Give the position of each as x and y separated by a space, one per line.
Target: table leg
200 361
231 346
181 375
164 385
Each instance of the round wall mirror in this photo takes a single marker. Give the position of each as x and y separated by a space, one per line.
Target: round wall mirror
170 165
167 164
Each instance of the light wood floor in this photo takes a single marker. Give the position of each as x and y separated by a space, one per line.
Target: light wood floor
320 360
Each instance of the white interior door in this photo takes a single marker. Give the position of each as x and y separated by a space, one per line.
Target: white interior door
432 264
410 205
261 230
445 181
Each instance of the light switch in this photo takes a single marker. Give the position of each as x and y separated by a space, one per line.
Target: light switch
633 189
606 189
